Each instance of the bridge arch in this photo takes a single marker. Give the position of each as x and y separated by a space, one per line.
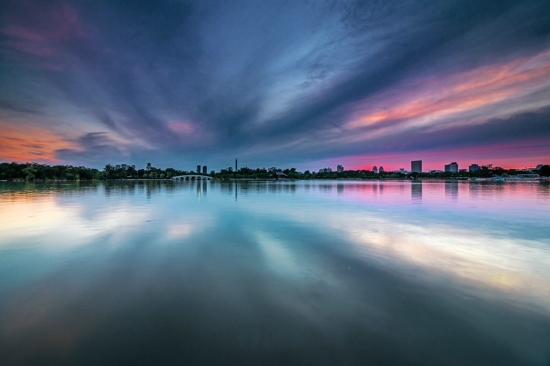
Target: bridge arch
187 177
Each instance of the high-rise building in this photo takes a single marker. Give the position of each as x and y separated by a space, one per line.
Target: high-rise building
451 168
339 168
375 169
416 166
148 167
236 166
381 170
474 168
198 169
204 169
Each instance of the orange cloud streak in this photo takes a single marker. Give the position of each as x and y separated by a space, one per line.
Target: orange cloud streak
436 97
30 144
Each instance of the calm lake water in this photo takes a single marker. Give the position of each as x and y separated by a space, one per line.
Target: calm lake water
275 273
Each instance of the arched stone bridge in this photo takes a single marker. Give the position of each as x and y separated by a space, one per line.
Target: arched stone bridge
192 177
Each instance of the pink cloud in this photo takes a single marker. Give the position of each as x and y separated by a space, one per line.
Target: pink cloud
181 128
46 36
435 99
55 25
28 143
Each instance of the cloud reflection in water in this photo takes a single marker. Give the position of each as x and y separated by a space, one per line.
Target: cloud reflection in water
286 273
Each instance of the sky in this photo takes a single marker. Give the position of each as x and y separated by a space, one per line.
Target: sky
304 84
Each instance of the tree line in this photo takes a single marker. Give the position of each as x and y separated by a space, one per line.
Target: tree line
42 172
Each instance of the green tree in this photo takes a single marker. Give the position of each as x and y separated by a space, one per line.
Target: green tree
544 171
29 172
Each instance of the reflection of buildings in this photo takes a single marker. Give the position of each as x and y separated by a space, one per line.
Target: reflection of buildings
474 190
416 166
451 189
416 191
202 188
451 168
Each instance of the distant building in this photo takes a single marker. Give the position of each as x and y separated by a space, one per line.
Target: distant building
375 169
204 169
278 175
236 166
451 168
416 166
381 170
148 167
339 169
124 166
474 168
198 168
325 170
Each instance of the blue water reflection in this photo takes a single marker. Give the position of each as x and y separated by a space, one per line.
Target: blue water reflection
313 272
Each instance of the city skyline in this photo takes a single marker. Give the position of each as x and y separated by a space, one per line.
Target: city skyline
304 85
416 166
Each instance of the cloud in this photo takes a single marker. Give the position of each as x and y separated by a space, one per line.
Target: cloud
43 38
30 144
91 148
6 105
440 98
273 81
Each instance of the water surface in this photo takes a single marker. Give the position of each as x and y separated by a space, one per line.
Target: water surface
280 273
